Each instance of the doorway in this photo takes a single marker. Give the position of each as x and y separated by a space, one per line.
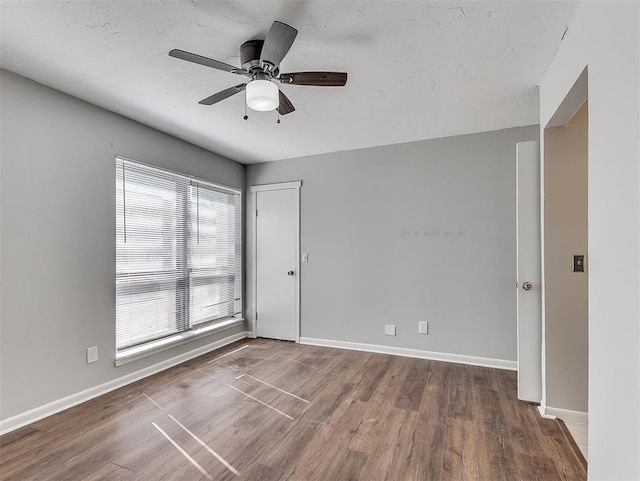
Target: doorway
276 261
565 260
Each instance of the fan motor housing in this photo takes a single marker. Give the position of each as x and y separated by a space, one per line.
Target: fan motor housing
250 53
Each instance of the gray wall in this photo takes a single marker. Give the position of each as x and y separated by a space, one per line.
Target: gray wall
566 292
58 242
404 233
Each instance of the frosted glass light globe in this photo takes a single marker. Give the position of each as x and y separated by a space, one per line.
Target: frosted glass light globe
262 95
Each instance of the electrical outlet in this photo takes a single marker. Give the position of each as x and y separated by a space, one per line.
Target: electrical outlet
423 327
390 329
92 354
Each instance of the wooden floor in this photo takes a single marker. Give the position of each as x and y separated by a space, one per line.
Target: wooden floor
274 411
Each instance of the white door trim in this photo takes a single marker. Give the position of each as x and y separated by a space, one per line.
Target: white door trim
283 185
254 189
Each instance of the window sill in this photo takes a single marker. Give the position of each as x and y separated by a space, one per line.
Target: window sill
138 352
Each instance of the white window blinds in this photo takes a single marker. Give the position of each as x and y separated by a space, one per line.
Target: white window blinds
178 253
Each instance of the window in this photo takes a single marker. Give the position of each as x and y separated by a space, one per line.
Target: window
178 254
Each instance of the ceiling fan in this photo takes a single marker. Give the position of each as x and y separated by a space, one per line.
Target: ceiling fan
261 63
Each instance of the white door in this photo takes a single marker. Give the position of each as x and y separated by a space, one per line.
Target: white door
277 221
529 272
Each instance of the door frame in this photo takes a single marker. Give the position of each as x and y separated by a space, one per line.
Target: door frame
254 189
567 107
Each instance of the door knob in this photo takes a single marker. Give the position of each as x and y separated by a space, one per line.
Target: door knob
290 273
527 286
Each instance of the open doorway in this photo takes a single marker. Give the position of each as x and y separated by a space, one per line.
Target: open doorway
565 246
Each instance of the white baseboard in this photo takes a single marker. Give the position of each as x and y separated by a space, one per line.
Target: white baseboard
417 353
33 415
566 415
543 412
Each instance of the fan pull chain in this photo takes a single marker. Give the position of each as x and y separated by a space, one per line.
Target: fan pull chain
278 121
246 117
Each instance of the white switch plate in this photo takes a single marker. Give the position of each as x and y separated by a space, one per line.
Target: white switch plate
390 329
423 327
305 257
92 354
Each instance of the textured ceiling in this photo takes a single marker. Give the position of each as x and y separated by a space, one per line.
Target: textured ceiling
417 69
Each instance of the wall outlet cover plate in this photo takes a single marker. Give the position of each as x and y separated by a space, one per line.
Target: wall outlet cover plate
92 354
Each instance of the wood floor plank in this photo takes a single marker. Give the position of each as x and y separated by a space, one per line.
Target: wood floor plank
285 455
461 458
537 468
319 358
326 402
372 374
411 392
489 413
486 378
524 432
349 416
279 380
392 456
496 450
462 375
574 445
331 439
497 458
213 470
507 384
110 472
274 398
81 451
460 403
567 463
348 364
352 466
24 443
430 430
18 436
245 446
261 472
162 466
373 412
301 379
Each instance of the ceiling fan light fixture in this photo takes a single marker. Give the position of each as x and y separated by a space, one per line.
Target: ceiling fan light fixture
261 63
262 95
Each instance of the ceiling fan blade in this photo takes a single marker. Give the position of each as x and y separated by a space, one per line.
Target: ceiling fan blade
207 62
278 42
285 106
223 94
318 79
